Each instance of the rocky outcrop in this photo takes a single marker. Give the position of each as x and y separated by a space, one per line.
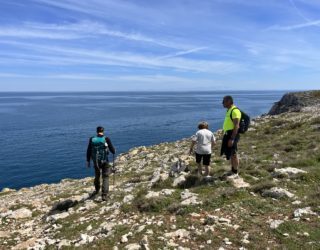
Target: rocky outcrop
294 102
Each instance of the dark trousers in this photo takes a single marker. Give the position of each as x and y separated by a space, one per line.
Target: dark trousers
102 168
225 149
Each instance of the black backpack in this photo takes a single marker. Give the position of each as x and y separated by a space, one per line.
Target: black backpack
244 121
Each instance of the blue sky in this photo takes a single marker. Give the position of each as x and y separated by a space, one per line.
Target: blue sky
72 45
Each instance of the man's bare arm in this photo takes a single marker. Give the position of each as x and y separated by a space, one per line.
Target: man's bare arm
236 123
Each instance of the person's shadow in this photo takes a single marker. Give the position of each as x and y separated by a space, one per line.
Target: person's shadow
65 205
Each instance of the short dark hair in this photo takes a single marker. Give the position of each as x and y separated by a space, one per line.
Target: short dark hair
228 98
100 129
203 125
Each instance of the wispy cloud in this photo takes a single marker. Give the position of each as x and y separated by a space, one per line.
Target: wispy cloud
78 30
296 26
182 53
67 55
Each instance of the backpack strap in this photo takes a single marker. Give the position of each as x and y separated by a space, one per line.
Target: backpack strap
231 112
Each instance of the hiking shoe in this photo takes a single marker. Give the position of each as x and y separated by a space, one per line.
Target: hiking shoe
104 197
208 178
94 194
233 175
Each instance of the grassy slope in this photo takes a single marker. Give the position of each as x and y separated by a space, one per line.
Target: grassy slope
295 140
290 139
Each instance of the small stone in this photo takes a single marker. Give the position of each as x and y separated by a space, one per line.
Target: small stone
224 221
195 215
141 228
128 198
124 238
227 241
152 194
173 227
167 192
58 216
133 246
238 182
245 241
296 202
274 224
64 243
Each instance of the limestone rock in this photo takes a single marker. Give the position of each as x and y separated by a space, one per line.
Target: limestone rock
133 246
21 214
179 180
303 211
164 192
107 227
133 152
128 198
180 234
58 216
238 182
277 193
64 243
189 198
144 243
4 234
7 190
274 224
294 102
124 238
289 171
25 244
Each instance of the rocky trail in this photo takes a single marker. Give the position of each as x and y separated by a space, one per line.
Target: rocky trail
159 202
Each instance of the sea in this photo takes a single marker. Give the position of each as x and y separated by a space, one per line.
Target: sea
44 136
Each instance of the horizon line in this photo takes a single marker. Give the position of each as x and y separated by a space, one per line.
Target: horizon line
150 91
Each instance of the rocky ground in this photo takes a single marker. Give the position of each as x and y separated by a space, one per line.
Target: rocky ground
158 201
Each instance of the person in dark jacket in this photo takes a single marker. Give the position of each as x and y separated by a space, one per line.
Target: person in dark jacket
98 149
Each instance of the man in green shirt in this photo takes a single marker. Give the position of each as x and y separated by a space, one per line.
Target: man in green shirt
231 136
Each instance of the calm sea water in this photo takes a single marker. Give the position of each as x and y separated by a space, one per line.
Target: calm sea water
43 136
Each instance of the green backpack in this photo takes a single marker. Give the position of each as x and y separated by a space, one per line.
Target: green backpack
99 149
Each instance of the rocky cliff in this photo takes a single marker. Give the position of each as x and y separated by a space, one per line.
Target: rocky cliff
294 102
158 202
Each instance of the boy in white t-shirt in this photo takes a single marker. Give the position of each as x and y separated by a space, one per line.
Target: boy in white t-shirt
205 141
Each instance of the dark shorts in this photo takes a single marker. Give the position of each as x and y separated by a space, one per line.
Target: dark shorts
229 151
206 159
